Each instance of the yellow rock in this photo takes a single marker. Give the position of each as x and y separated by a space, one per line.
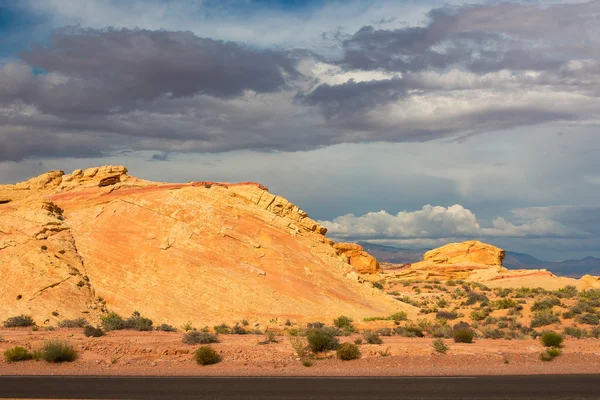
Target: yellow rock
362 261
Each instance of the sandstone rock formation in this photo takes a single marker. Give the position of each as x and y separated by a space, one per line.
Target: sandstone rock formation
79 244
481 262
362 261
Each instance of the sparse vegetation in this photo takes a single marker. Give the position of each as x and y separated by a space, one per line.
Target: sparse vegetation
222 329
551 339
72 323
321 339
166 328
269 338
589 319
440 347
206 355
17 353
20 321
543 318
348 351
91 331
113 321
196 337
462 333
372 337
549 354
58 351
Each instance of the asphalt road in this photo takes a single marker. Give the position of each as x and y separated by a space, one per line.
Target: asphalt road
480 388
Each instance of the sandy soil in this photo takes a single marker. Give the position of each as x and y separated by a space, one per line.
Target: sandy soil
162 353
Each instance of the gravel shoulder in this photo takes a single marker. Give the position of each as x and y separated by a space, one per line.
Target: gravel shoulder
163 354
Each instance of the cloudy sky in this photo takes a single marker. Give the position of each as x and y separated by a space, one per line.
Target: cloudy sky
409 123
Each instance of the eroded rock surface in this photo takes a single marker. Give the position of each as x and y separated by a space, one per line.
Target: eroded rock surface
362 261
207 252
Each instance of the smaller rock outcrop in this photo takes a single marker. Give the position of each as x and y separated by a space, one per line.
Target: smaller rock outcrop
362 261
472 251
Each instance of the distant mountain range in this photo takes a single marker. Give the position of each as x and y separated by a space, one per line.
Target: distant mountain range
513 260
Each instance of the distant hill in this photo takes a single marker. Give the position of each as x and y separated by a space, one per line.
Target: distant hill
513 260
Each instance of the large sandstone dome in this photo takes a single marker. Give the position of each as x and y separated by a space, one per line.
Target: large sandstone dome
96 240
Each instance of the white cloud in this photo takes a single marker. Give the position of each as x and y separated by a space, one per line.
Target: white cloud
441 222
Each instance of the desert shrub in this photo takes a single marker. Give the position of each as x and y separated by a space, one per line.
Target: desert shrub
348 351
492 333
409 331
358 341
17 353
384 331
138 323
72 323
299 345
58 351
344 322
595 333
315 325
222 329
479 315
543 318
589 319
551 339
321 339
505 303
462 333
443 314
372 337
166 328
90 331
188 326
568 292
545 304
441 331
575 332
20 321
196 337
440 347
378 285
549 354
476 297
269 338
238 329
206 355
112 321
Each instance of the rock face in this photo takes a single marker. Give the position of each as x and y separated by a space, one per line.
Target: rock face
467 252
362 261
481 262
96 240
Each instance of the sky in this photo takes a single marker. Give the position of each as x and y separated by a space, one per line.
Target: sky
406 123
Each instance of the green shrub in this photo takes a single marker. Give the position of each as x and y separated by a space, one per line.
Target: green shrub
112 321
20 321
549 354
505 303
299 345
545 304
492 333
358 341
238 330
321 339
195 337
57 351
589 319
551 339
543 318
479 315
222 329
348 351
441 331
462 333
343 322
206 355
372 337
448 315
90 331
269 338
17 353
72 323
188 326
166 328
138 323
577 333
440 347
409 331
378 285
475 297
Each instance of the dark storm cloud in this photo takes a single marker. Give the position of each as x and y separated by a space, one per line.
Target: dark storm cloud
482 38
113 71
